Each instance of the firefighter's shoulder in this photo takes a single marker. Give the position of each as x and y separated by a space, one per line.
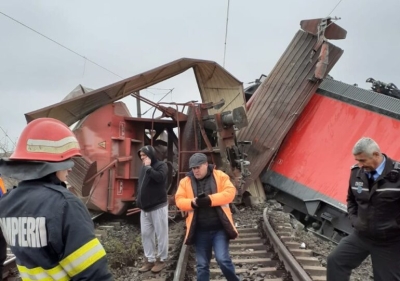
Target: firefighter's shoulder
355 166
61 190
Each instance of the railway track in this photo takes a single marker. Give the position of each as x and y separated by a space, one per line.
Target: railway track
260 253
10 271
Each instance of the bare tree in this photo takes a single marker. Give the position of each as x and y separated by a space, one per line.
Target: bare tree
4 152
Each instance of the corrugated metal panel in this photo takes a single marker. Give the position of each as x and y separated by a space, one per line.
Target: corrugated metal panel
367 99
386 102
78 91
352 92
214 83
210 79
337 87
281 98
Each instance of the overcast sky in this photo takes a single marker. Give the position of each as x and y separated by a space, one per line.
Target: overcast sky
132 36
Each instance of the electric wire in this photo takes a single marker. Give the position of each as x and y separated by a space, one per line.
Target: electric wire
63 46
226 33
78 54
340 1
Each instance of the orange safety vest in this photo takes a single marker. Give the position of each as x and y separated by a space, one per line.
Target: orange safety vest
2 187
225 195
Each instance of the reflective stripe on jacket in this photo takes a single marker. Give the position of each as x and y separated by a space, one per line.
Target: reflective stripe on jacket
51 234
224 195
70 266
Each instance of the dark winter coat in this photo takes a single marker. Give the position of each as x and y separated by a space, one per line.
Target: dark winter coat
152 186
51 233
374 209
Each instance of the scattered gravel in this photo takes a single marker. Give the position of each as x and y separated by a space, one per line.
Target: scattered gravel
125 252
320 247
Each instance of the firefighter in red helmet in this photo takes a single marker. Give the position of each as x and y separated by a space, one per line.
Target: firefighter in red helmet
48 229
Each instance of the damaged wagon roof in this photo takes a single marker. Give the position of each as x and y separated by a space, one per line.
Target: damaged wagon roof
214 83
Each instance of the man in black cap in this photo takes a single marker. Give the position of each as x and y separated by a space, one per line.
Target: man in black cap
205 193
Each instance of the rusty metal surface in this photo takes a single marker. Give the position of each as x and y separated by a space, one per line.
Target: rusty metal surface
280 99
193 138
214 135
214 83
333 31
81 176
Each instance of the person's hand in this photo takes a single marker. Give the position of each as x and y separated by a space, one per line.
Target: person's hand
147 161
193 203
203 202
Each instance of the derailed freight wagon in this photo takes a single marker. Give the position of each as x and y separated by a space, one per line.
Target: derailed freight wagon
310 173
106 177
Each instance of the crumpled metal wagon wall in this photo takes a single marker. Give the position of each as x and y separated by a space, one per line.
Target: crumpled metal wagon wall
281 98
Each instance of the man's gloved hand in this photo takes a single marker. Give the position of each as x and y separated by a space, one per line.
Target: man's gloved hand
203 202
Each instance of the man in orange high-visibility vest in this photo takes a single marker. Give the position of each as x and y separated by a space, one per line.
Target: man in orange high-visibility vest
3 243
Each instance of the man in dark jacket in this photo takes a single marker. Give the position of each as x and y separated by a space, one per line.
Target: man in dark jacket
152 200
373 205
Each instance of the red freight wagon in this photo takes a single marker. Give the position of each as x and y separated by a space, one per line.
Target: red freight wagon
311 170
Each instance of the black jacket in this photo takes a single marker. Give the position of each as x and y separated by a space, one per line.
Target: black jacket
152 187
51 233
374 210
207 217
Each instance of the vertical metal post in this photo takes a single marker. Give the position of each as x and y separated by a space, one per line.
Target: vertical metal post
138 109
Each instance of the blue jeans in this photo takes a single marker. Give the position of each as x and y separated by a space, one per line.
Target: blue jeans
205 241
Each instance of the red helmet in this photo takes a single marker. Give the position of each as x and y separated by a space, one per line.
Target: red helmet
46 139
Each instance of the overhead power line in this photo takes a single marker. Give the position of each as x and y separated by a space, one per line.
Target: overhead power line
69 49
340 1
226 33
169 92
65 47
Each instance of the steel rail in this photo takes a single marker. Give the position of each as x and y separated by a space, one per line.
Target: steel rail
180 270
296 270
7 262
